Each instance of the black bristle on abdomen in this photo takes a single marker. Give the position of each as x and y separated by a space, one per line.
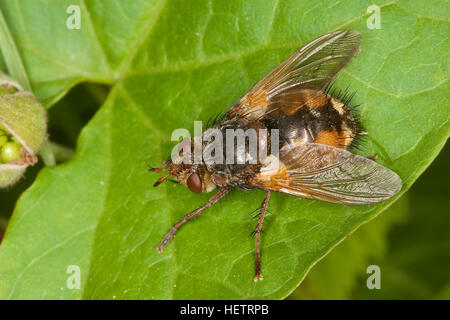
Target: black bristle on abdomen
346 97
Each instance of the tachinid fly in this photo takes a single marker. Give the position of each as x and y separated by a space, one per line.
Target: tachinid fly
314 130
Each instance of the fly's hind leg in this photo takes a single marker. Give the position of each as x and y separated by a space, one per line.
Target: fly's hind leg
258 275
222 192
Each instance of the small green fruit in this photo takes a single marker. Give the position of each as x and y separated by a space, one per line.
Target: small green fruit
3 139
10 152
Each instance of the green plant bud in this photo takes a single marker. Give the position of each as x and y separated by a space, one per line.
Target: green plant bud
25 119
8 85
23 122
10 174
7 89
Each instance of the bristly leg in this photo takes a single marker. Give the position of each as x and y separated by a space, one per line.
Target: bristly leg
222 192
258 229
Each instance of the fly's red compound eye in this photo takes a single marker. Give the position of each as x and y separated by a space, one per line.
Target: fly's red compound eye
194 183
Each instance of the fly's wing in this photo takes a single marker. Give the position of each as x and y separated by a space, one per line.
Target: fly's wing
309 69
322 172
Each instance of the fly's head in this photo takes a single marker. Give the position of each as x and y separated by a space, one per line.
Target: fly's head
185 171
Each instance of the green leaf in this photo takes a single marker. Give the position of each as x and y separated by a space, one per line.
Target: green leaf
174 62
11 55
57 58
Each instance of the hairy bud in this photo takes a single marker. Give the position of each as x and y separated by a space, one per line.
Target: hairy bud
23 130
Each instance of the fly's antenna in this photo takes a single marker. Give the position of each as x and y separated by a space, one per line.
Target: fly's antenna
151 169
161 180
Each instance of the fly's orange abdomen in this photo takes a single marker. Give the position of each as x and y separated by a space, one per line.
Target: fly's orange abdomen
320 119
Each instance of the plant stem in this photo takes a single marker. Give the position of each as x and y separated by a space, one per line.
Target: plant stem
62 153
11 55
47 155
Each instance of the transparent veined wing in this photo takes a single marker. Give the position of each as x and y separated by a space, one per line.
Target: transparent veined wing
327 173
295 80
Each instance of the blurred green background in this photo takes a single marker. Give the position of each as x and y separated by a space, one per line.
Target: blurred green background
409 241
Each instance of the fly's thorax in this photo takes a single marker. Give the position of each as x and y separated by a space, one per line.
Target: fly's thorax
238 153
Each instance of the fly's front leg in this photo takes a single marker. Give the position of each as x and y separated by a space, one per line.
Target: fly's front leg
222 192
258 275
